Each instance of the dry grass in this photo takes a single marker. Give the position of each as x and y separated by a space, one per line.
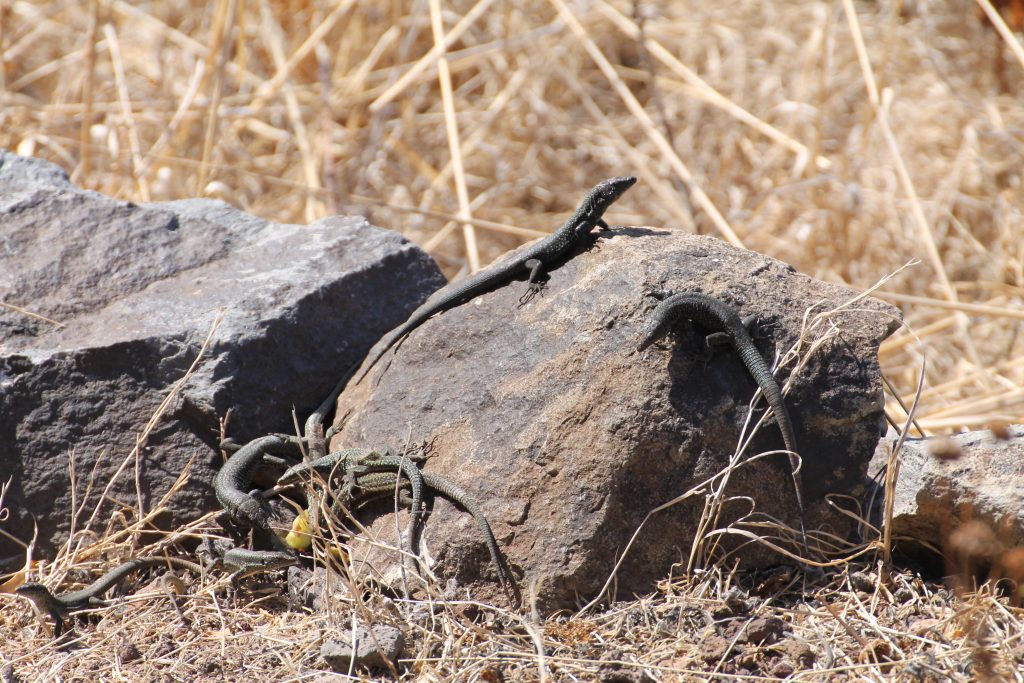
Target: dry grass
844 139
860 623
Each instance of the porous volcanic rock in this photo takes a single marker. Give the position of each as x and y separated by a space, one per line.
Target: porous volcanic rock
567 437
136 289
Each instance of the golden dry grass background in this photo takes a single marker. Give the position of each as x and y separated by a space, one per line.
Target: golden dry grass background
780 134
846 139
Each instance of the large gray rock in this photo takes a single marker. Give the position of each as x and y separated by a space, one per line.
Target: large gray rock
137 289
946 481
568 438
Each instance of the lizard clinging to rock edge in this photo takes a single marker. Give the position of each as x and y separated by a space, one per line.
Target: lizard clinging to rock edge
727 326
556 246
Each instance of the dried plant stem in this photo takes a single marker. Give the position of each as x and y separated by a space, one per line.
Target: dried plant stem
705 91
1004 31
445 79
881 107
881 104
480 133
892 469
696 192
436 53
25 311
273 38
269 89
646 167
142 185
441 235
88 88
168 133
223 25
976 309
190 45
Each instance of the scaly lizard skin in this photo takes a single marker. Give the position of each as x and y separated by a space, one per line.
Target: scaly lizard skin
220 553
359 461
242 562
719 317
382 482
314 427
231 485
549 250
61 606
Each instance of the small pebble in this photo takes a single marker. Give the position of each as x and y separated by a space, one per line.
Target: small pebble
371 651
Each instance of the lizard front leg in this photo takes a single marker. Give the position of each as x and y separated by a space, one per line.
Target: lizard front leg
536 282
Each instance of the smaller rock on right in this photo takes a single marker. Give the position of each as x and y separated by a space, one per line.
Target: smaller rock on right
970 480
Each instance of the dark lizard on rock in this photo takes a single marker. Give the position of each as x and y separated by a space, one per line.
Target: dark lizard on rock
59 607
718 317
533 259
232 482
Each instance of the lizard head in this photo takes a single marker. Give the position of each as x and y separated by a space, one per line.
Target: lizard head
599 199
653 330
39 594
45 603
607 191
657 326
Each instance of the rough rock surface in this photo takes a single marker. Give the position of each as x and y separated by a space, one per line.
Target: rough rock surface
373 648
567 437
314 589
137 289
980 478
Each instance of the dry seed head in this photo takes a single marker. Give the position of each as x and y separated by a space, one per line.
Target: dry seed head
975 540
1000 429
944 449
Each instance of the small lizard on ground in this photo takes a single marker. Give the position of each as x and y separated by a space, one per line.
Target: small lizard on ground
383 482
221 553
719 317
242 562
61 606
545 252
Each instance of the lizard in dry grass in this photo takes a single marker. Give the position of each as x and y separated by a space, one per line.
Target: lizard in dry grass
60 606
379 476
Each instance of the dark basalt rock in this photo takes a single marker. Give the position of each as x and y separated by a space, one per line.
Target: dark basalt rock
137 289
568 438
